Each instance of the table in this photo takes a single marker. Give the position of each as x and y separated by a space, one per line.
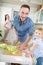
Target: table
15 59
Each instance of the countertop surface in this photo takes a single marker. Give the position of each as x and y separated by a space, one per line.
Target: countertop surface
15 59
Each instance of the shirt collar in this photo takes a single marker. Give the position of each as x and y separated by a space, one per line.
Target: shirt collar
37 38
23 22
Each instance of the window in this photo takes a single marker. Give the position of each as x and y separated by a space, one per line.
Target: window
40 19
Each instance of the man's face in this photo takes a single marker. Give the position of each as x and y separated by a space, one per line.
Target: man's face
24 13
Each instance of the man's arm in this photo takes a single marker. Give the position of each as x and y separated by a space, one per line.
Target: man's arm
16 37
24 45
26 41
14 30
30 32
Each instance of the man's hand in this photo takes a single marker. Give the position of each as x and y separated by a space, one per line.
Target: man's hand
22 47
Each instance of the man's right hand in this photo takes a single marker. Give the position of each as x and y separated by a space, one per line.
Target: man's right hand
21 47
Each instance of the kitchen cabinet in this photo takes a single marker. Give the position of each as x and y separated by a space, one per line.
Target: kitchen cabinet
38 25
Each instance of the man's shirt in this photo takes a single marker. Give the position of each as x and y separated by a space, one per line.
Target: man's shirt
24 29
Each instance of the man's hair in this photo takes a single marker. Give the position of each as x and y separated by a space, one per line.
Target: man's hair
26 6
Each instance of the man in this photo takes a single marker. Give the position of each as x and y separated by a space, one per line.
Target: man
23 26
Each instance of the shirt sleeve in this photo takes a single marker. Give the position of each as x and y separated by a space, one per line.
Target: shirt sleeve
35 41
31 28
14 22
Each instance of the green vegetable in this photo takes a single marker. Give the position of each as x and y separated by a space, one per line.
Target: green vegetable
12 48
2 46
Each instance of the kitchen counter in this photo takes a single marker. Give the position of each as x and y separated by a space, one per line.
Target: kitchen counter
15 59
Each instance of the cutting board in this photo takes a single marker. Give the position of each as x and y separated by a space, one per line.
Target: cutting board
6 52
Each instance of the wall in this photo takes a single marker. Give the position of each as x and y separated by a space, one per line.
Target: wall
0 16
9 9
5 10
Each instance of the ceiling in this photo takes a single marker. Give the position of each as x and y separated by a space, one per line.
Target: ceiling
22 1
32 3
